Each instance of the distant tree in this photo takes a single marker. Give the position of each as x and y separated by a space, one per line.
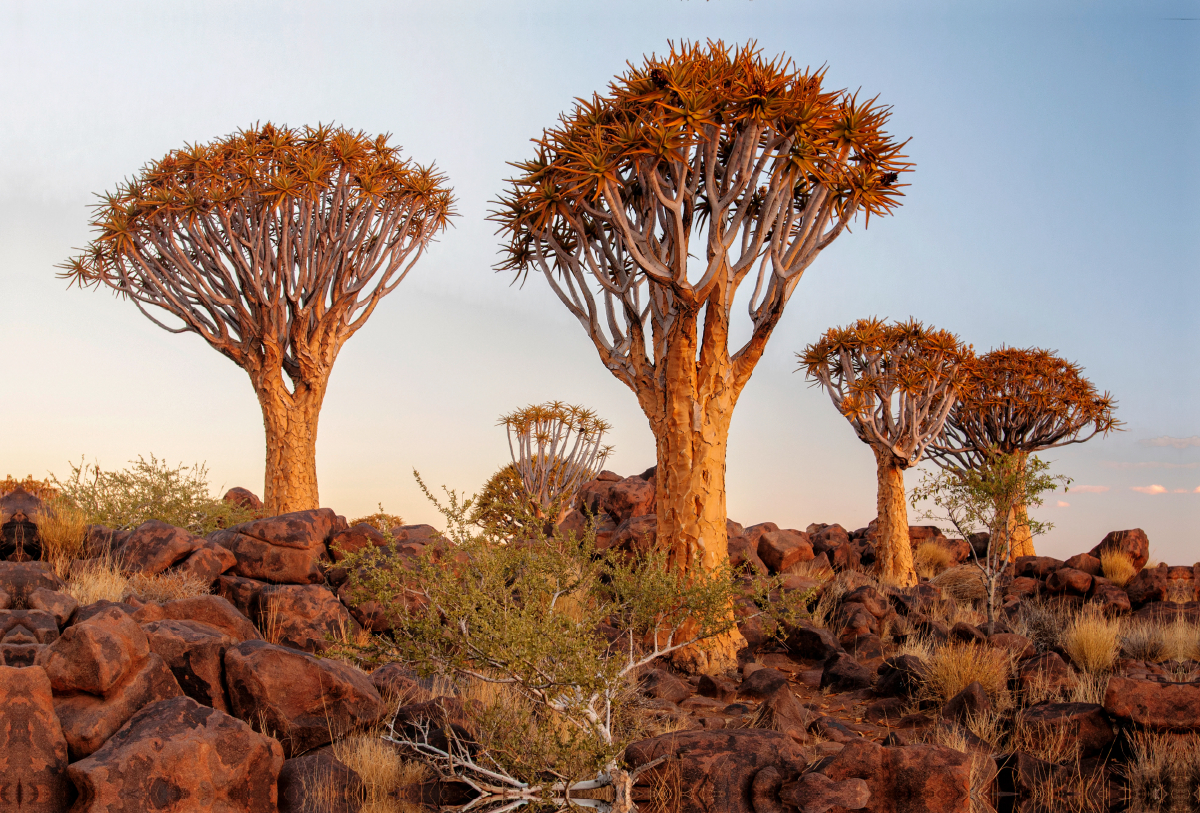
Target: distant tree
896 385
1018 402
766 169
555 449
274 245
987 498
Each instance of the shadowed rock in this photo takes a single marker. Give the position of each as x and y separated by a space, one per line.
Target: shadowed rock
33 751
178 756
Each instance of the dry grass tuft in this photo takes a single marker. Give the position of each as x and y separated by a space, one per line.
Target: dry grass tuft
983 766
101 579
1042 622
1144 640
1163 772
962 583
169 585
815 569
1182 639
63 530
98 579
1093 641
918 646
381 768
1089 689
1117 566
951 667
930 559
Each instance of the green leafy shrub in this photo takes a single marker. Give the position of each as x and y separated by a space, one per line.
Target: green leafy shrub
554 631
149 489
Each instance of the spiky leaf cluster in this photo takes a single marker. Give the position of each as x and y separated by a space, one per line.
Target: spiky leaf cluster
1022 401
754 152
895 383
268 242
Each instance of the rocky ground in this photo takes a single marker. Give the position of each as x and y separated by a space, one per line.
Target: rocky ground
222 701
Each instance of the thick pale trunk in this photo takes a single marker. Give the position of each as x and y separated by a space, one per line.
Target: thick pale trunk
290 420
893 549
1018 529
690 419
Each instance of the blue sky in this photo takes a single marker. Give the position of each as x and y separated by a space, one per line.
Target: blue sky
1054 204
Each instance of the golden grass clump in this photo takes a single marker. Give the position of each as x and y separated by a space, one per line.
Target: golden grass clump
1182 640
930 559
1144 640
63 528
383 772
1117 566
816 569
98 579
168 586
951 667
101 579
962 583
1093 641
381 520
1042 622
42 489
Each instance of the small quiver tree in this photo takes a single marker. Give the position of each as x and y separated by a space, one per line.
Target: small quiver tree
1018 402
555 449
987 497
647 208
523 623
895 384
274 245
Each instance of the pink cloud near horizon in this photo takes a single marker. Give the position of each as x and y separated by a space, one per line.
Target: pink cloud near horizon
1151 489
1062 504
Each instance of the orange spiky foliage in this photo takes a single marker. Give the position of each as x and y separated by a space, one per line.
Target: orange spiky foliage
896 384
647 207
274 245
1022 401
42 489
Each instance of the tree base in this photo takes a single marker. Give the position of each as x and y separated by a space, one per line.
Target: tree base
712 656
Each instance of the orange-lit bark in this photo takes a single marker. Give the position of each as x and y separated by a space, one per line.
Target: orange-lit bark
893 549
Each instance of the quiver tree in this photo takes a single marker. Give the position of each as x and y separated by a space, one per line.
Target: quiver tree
274 245
765 168
1018 402
896 384
555 449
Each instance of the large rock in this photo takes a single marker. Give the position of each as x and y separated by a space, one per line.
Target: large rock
215 611
1147 586
33 751
781 549
1159 706
303 616
208 561
342 790
1082 723
662 685
61 605
816 793
304 701
899 676
1046 673
906 779
810 642
88 721
842 673
93 656
1133 542
636 534
1070 581
19 579
195 652
355 538
179 756
287 549
154 546
631 497
720 769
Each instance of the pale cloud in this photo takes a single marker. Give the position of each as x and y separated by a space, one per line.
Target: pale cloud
1062 504
1090 489
1181 491
1113 464
1152 489
1175 443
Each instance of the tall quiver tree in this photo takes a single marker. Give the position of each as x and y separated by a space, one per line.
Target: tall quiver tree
648 207
896 384
274 245
1018 402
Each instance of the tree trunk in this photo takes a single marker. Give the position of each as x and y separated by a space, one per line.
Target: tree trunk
290 419
893 549
1018 529
689 412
